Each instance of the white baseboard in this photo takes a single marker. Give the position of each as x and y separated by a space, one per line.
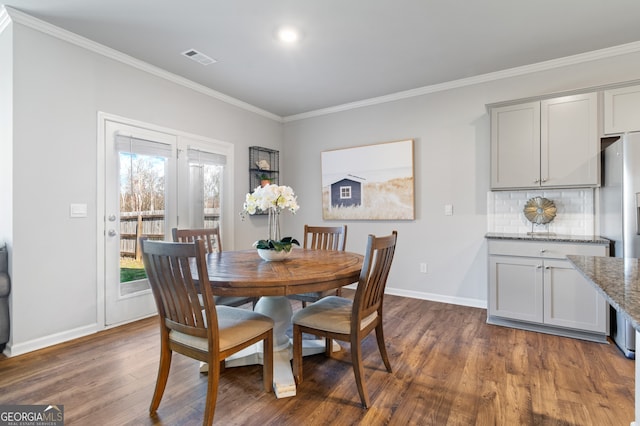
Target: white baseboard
454 300
54 339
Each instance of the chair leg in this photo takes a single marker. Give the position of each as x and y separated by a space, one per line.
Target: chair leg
267 367
212 392
297 354
358 370
382 347
163 374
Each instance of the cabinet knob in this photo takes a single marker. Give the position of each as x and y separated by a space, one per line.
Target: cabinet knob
544 180
547 267
543 251
536 181
538 266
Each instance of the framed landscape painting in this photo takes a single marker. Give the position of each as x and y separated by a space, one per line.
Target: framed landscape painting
371 182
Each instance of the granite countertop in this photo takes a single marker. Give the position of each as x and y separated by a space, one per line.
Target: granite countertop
617 279
544 236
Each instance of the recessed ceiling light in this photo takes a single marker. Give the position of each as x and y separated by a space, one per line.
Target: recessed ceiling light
288 34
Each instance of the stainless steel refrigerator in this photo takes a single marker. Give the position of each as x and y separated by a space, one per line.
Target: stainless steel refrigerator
620 217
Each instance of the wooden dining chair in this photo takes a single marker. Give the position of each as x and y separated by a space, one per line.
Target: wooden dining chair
210 236
207 333
213 244
339 318
322 238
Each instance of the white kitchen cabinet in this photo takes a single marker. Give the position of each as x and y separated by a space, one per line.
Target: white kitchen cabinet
550 143
515 289
622 110
532 286
515 146
569 299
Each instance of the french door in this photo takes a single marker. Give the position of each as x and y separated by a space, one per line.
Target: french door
140 200
154 179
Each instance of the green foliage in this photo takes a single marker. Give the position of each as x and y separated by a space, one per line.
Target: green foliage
284 244
132 274
263 176
131 270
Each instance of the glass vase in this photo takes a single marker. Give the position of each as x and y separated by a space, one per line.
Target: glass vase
274 225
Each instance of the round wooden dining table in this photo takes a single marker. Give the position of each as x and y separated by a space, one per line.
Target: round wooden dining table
244 273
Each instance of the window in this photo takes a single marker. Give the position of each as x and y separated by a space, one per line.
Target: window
345 192
206 172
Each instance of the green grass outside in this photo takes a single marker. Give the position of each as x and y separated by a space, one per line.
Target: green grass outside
130 270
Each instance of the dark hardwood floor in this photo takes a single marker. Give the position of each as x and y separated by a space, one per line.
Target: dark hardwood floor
450 368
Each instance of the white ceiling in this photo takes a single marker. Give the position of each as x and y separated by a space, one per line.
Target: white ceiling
351 50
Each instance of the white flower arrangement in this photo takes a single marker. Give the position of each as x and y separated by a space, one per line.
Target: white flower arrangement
272 199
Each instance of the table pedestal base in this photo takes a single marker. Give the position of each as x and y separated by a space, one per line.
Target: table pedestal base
279 309
636 421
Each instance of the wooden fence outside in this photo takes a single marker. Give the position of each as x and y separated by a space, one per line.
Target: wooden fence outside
150 225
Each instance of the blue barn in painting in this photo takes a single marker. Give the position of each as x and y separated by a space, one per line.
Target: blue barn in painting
345 193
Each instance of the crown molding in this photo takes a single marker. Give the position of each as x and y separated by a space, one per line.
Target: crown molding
68 36
8 14
4 18
623 49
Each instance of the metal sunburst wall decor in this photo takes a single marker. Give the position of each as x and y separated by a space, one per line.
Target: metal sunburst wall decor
540 210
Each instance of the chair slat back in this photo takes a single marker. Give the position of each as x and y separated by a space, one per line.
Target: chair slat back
325 237
210 236
373 277
170 268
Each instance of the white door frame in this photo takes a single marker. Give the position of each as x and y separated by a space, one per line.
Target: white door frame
184 140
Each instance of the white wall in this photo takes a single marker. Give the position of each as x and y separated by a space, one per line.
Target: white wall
451 133
59 88
6 148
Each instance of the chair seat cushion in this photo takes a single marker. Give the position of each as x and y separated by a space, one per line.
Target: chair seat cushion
332 313
236 325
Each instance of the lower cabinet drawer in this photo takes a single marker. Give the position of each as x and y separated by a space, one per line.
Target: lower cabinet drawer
547 250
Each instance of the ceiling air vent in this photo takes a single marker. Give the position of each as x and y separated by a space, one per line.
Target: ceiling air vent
199 57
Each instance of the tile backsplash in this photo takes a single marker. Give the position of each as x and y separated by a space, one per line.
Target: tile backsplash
575 211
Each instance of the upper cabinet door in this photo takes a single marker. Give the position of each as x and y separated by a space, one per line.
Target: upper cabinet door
550 143
569 141
515 146
622 110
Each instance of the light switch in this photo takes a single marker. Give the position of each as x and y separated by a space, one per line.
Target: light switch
78 210
448 209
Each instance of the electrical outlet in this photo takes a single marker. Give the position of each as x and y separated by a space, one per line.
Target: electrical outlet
423 268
